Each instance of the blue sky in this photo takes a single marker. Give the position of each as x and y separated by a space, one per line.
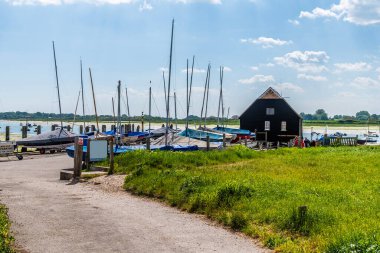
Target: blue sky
318 54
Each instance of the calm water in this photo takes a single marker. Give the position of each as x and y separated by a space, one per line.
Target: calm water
15 128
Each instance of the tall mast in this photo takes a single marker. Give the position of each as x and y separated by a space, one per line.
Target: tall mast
56 78
208 89
175 111
191 84
169 82
187 95
93 97
150 104
204 93
113 109
163 78
118 111
81 82
76 108
129 115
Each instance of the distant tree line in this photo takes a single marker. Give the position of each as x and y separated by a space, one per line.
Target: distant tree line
321 114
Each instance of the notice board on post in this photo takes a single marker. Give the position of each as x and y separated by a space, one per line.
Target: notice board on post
98 150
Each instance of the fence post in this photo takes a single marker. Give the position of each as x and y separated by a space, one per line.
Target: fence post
104 128
133 127
148 143
77 158
24 131
110 172
138 128
208 143
7 133
38 129
224 140
93 128
81 129
245 141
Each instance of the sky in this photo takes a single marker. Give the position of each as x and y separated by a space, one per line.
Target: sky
316 54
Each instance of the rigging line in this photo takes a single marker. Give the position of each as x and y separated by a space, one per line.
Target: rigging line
204 95
154 101
208 89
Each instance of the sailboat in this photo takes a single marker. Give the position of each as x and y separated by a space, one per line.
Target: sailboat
52 140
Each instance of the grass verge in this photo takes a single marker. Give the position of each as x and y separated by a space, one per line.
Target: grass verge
260 193
6 240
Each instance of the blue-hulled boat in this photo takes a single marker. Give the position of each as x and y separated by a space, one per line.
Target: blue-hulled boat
202 135
240 133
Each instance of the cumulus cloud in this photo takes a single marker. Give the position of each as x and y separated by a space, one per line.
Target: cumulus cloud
359 12
145 6
227 69
254 68
288 86
199 1
307 61
312 77
266 42
365 82
358 66
258 79
346 94
195 71
294 22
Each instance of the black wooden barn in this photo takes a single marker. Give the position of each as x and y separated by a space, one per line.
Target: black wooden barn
272 116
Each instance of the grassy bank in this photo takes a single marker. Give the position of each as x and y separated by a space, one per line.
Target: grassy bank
6 240
259 193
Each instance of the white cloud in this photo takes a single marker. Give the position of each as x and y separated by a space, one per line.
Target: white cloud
258 79
365 82
358 66
227 69
199 1
254 68
288 86
294 22
145 6
266 42
195 71
269 65
312 77
307 61
346 94
359 12
163 69
61 2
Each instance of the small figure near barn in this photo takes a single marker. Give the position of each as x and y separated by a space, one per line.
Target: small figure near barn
272 118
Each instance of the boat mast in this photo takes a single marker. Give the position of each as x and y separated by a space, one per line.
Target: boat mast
93 97
56 77
81 82
118 111
129 115
76 108
187 95
150 104
204 95
221 93
113 110
191 84
163 78
208 89
175 111
170 72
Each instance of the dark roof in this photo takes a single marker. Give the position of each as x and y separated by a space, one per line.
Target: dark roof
270 93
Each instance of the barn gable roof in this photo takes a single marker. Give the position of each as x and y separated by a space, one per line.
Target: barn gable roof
270 93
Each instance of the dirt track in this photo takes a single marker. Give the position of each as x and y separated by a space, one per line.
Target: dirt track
49 215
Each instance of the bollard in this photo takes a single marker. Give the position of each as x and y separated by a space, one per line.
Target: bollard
53 127
208 143
110 172
245 141
148 143
104 128
133 127
38 129
7 133
81 129
138 128
142 126
68 128
78 146
24 132
87 129
278 144
224 141
92 128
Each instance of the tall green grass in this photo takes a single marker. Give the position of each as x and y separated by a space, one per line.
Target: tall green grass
259 193
6 240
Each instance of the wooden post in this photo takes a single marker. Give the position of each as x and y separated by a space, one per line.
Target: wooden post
81 129
110 172
104 128
87 129
53 127
93 128
133 127
128 127
245 141
77 158
138 128
299 141
148 143
88 154
224 140
24 132
278 144
39 129
68 128
7 133
208 143
302 215
122 130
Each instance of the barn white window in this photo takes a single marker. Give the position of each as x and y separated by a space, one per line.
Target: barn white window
270 111
267 125
283 126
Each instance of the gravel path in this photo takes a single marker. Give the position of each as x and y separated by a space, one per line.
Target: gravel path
49 215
